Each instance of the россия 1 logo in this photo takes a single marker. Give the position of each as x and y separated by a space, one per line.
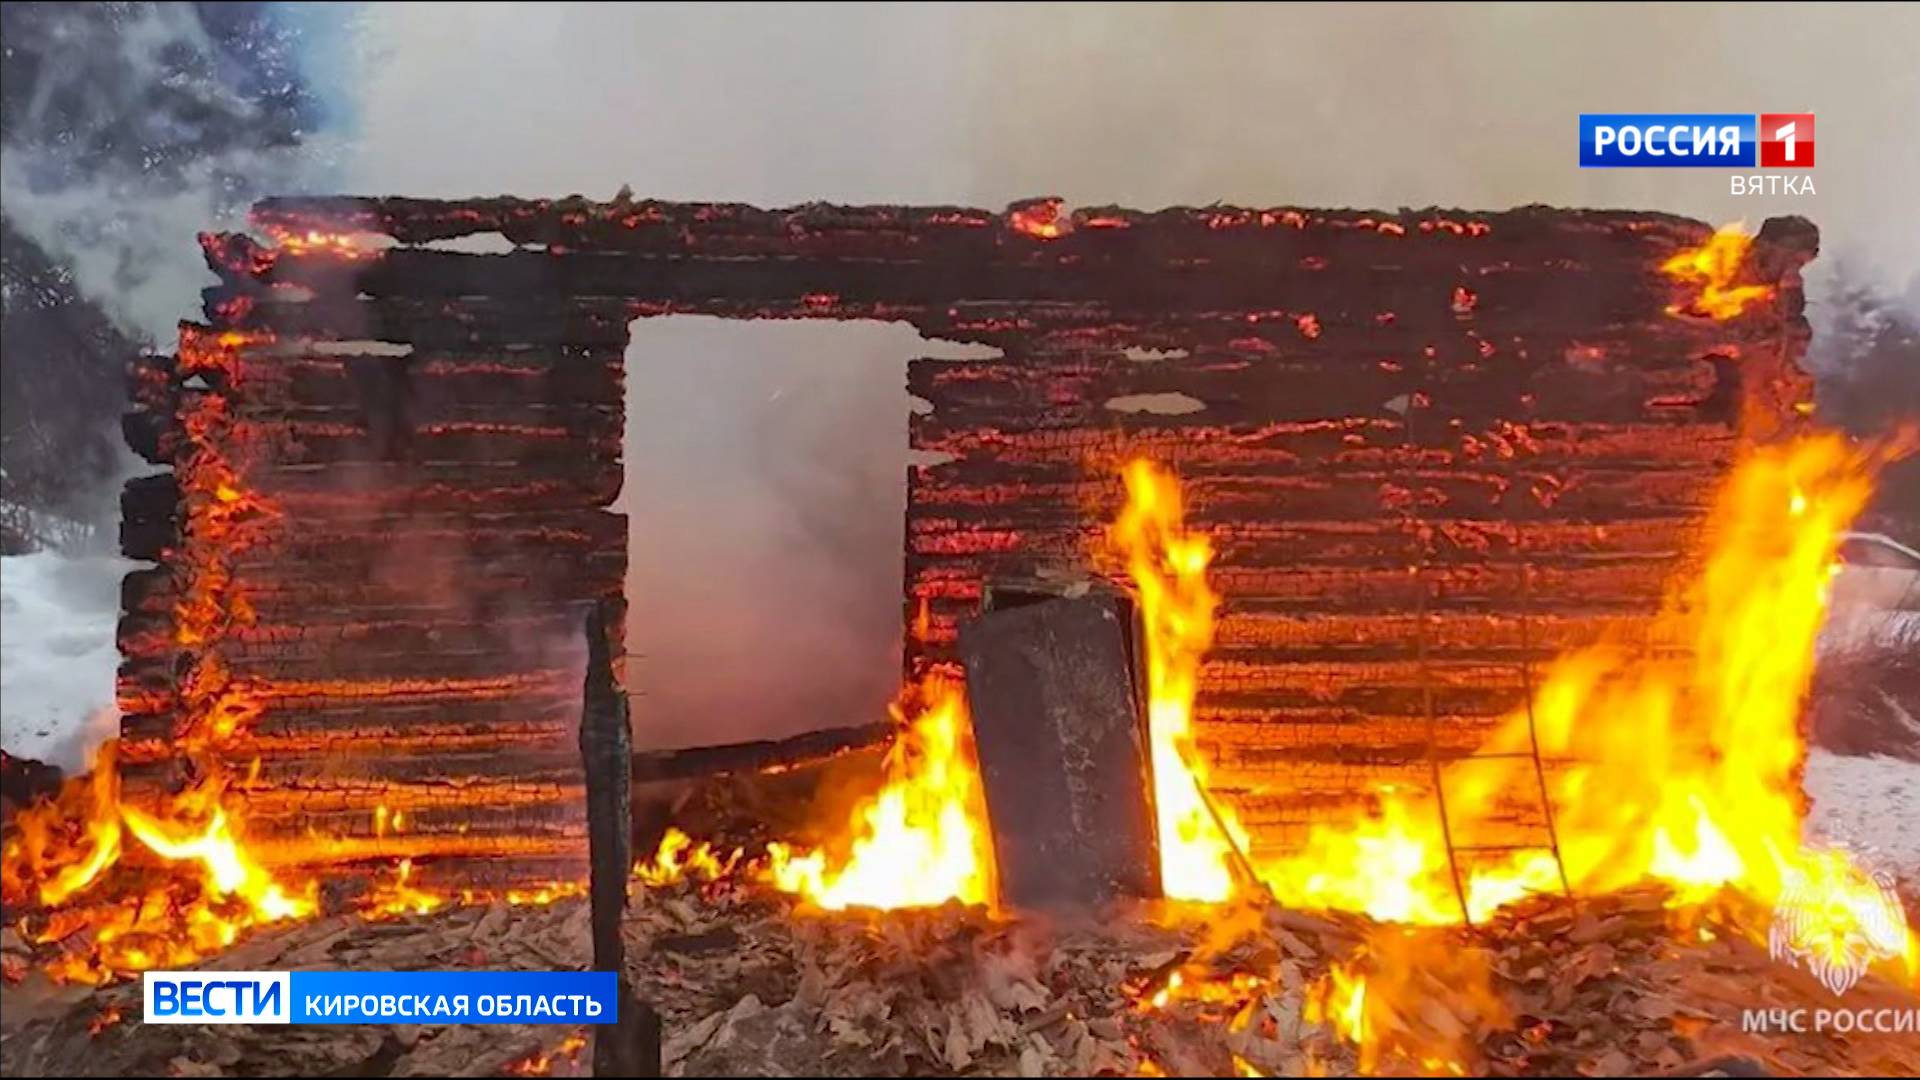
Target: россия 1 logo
1705 140
1696 140
1786 140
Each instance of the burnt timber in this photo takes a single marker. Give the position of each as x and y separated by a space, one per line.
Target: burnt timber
436 436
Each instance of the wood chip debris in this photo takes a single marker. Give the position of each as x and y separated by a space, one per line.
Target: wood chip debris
748 985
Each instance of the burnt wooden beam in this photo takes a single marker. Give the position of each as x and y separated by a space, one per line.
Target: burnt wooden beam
630 1046
606 742
965 235
765 755
1060 734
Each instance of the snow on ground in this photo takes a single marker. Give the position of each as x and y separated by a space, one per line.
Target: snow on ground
57 654
1870 803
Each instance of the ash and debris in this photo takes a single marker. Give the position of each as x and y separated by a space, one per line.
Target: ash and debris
747 985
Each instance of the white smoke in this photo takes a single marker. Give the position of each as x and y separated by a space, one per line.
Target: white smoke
1145 105
57 666
134 139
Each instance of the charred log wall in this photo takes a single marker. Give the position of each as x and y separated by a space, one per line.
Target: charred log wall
1380 414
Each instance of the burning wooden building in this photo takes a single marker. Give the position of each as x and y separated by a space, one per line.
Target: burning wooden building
1429 447
1371 486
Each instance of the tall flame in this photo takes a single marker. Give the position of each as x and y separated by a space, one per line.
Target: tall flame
922 840
1679 770
1168 565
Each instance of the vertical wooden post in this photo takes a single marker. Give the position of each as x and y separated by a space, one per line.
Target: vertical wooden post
630 1047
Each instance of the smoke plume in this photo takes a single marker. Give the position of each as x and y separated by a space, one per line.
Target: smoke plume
753 454
757 457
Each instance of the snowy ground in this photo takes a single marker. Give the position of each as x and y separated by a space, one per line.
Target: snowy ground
1871 803
57 655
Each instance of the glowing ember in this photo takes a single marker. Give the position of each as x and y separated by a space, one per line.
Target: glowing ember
1410 999
338 244
678 858
1168 565
1711 268
541 1063
922 840
104 1019
1679 771
1042 220
398 896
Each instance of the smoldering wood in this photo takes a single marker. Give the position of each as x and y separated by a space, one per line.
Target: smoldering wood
764 755
631 1045
24 781
437 434
606 742
1057 722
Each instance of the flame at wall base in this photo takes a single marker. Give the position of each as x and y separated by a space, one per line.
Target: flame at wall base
923 839
1679 771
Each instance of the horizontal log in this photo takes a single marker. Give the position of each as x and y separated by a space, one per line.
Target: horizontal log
764 755
1549 292
1633 366
1278 234
305 492
448 642
278 375
1468 497
477 534
1301 446
149 516
355 725
1368 589
487 323
302 783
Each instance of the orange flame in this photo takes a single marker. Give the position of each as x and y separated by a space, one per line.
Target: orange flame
345 245
1044 220
541 1062
398 896
226 869
1411 999
922 840
678 858
1168 565
1711 269
62 846
215 889
1682 771
218 890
